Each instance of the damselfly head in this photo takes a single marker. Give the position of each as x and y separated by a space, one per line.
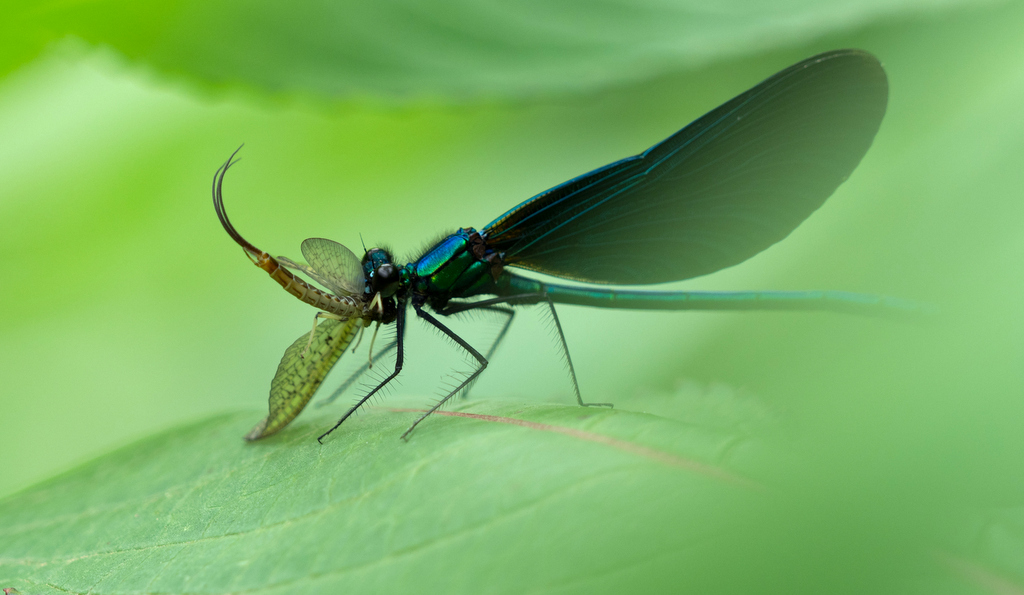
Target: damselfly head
385 280
382 276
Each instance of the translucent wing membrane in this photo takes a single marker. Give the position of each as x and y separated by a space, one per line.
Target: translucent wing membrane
298 378
722 189
336 266
311 272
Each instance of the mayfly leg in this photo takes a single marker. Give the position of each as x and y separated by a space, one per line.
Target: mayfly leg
373 339
316 318
362 331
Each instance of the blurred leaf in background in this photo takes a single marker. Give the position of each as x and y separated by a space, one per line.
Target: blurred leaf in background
893 458
455 50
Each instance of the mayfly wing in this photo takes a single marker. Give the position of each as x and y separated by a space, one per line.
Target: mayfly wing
312 273
298 377
338 266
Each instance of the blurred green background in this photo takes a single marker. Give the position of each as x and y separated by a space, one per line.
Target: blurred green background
125 309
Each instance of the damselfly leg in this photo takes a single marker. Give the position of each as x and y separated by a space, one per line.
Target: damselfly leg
356 375
399 360
462 343
509 314
523 299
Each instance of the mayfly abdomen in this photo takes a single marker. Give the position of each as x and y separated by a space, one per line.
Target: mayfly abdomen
344 306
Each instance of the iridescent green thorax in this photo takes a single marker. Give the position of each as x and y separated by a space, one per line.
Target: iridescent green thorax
459 265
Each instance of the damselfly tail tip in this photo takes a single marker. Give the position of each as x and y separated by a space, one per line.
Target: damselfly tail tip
908 309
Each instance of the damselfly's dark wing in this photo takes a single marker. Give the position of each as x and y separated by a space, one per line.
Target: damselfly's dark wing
712 195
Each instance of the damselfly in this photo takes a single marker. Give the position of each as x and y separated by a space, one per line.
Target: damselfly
719 191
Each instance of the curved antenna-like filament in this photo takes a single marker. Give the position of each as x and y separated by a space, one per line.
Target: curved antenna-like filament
344 306
218 204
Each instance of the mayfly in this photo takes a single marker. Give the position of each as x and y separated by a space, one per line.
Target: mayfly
722 189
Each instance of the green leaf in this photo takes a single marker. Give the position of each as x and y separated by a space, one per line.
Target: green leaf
497 497
512 498
452 49
126 310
